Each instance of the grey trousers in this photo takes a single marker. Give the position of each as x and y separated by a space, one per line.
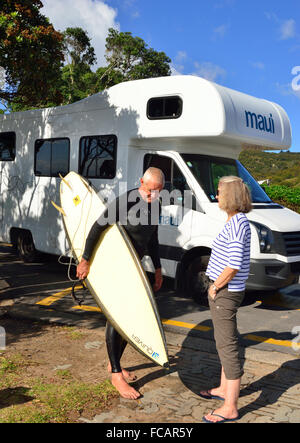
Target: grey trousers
223 313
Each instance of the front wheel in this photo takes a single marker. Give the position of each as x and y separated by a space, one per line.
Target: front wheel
197 283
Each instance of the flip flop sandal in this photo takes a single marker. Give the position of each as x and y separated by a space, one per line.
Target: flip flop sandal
224 419
209 396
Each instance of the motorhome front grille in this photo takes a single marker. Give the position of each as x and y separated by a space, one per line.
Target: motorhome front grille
292 242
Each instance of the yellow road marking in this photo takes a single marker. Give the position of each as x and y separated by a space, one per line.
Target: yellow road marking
87 308
53 298
271 341
186 325
251 337
289 305
257 338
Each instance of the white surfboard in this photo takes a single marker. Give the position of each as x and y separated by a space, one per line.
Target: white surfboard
116 279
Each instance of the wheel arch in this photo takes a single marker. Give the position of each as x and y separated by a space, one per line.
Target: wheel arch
182 267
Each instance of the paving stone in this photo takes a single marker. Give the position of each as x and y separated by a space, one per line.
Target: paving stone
282 414
295 416
62 367
93 345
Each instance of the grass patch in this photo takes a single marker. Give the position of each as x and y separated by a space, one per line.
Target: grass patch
73 333
25 399
10 365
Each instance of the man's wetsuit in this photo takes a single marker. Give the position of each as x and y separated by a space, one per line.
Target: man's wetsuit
140 220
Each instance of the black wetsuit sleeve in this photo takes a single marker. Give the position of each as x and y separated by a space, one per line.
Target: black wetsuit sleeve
92 238
153 248
99 227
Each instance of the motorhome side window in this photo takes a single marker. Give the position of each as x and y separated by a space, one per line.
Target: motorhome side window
52 157
97 156
7 146
164 107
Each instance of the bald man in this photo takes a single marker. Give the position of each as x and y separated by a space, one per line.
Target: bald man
138 211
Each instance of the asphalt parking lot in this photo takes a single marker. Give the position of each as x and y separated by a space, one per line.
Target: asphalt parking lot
268 322
269 337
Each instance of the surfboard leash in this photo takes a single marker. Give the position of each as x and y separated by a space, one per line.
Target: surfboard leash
78 301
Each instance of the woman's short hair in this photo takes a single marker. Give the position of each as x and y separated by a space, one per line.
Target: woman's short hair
236 196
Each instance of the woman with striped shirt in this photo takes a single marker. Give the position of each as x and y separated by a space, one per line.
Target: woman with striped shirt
228 270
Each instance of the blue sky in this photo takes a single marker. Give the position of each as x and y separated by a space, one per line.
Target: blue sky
251 46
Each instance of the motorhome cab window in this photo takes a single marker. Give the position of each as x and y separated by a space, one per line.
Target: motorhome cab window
174 179
164 107
7 146
52 157
97 156
208 170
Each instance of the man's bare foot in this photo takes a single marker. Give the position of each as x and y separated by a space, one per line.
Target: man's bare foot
123 387
127 374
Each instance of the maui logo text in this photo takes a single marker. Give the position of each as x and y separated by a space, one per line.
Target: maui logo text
260 122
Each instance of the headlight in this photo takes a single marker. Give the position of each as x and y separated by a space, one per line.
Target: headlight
265 237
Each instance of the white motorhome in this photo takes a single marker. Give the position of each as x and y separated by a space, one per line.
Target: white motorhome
192 129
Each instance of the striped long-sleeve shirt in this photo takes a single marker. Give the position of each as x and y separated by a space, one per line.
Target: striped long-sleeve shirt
232 248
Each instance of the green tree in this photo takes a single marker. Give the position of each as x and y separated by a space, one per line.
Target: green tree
77 76
31 54
129 58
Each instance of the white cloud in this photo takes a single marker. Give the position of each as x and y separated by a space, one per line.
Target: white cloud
209 70
288 29
272 16
258 65
177 67
220 31
175 70
94 16
180 56
130 7
224 4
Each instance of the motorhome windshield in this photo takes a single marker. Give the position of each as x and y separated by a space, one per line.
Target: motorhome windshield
208 170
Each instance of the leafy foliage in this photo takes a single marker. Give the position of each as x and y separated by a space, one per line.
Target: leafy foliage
281 172
76 77
279 168
30 54
284 195
40 67
130 57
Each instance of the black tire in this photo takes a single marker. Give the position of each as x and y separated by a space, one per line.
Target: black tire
197 283
25 246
